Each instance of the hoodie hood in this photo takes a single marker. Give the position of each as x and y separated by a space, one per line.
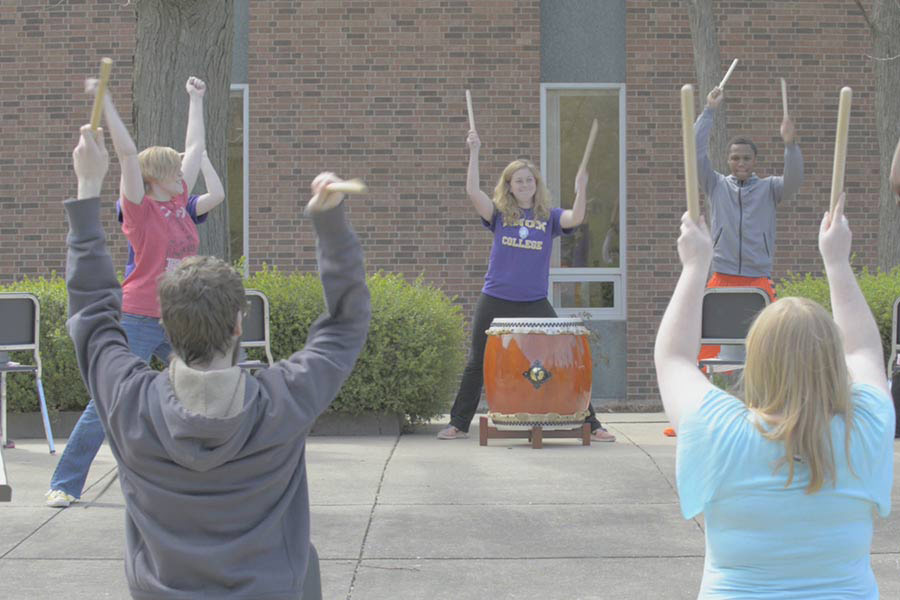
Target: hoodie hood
205 413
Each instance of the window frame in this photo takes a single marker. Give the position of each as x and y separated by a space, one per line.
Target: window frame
244 88
618 275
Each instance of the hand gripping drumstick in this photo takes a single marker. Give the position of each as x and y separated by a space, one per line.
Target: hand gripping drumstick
105 66
784 97
351 186
727 75
469 108
690 152
840 146
590 146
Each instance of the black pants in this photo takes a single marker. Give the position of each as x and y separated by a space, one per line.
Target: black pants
486 310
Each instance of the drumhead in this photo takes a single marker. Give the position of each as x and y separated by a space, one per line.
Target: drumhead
547 326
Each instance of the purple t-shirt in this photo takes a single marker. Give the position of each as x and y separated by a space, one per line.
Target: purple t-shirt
519 268
192 211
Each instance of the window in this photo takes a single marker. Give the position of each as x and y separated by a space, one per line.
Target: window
238 193
587 274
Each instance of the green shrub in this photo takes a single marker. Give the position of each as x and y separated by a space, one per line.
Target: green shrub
413 355
410 364
880 290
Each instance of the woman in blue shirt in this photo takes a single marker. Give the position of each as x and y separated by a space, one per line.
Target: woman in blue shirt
789 476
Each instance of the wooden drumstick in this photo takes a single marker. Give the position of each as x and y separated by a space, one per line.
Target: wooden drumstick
840 146
105 66
590 146
351 186
727 75
690 152
784 97
469 108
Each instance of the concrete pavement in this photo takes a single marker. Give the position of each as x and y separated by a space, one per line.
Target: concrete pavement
411 517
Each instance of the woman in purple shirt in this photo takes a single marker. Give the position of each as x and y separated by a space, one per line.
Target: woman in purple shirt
524 224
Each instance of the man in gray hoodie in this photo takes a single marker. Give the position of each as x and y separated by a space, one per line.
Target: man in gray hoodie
742 206
211 459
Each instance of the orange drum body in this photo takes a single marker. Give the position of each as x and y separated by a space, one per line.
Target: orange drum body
538 371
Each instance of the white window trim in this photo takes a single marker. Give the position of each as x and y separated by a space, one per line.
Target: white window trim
619 275
244 88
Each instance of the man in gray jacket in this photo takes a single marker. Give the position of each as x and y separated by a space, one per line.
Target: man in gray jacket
742 206
211 459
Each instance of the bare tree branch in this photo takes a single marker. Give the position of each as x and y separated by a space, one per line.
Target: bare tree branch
865 14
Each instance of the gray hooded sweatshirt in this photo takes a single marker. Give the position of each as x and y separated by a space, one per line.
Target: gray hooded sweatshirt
742 214
215 488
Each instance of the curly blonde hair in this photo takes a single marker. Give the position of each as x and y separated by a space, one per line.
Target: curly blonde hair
506 203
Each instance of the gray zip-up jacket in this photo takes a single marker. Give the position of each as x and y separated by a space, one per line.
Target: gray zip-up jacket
215 506
742 214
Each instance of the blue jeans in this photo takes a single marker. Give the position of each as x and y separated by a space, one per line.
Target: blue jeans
146 338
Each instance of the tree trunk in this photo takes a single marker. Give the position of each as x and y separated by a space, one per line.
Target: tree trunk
709 67
176 39
886 34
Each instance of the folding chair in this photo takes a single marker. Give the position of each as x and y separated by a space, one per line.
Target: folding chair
5 488
727 316
20 330
892 366
256 329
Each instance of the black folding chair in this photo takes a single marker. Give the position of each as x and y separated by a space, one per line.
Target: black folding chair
256 329
20 330
728 313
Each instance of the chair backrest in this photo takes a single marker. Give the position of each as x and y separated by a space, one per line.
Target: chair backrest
895 337
20 319
256 323
728 313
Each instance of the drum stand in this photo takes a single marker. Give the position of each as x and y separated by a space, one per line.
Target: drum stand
534 433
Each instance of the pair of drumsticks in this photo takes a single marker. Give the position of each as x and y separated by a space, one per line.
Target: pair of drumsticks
351 186
587 150
690 154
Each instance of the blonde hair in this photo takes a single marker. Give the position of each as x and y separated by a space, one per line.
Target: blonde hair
796 372
506 202
159 162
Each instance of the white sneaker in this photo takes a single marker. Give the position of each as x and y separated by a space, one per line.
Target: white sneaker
59 499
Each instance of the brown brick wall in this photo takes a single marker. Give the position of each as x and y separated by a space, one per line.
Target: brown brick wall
375 89
46 51
818 47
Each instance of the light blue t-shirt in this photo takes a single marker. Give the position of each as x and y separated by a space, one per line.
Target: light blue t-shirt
767 541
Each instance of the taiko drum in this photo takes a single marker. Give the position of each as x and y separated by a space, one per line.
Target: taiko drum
538 371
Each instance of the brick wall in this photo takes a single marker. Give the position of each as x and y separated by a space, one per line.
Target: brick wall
375 89
818 47
46 51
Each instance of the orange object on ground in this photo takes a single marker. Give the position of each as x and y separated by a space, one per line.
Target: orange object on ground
669 432
720 280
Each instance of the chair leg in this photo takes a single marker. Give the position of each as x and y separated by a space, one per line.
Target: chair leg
45 416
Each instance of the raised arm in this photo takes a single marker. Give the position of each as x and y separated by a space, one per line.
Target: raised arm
215 193
787 186
681 384
195 138
708 177
131 183
314 375
480 200
574 216
862 342
895 172
95 297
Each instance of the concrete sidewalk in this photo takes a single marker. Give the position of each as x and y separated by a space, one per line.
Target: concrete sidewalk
412 517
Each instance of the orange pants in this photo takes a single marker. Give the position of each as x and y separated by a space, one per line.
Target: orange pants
720 280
